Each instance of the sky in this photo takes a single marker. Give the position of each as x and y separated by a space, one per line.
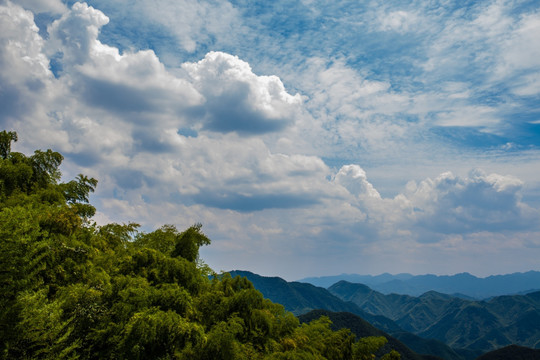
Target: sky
308 137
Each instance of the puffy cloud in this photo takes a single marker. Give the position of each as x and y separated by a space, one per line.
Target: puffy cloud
233 173
75 34
219 93
124 83
480 202
354 179
445 205
237 99
25 79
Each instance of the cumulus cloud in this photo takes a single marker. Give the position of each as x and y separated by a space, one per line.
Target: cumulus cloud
234 173
75 34
237 99
480 202
354 179
220 92
445 205
133 82
111 112
25 79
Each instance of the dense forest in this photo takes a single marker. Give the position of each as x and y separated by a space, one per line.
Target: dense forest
72 289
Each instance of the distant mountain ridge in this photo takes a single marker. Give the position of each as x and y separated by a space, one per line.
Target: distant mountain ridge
461 285
455 325
460 323
301 298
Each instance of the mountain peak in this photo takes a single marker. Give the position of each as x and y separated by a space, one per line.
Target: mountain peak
465 284
432 294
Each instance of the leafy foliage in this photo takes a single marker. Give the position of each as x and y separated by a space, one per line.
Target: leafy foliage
71 289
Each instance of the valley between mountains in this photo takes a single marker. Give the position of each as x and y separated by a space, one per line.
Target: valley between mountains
435 324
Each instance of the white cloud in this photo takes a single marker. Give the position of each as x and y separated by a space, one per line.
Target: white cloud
124 83
237 99
21 45
493 44
480 202
75 34
469 115
350 111
520 56
400 21
354 179
25 79
521 47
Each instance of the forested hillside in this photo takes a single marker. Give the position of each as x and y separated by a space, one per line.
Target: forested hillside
361 328
460 323
70 289
304 298
427 324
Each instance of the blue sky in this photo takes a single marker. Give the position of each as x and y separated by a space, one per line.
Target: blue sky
308 137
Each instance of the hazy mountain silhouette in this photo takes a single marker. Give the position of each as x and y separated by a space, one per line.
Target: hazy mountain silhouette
461 285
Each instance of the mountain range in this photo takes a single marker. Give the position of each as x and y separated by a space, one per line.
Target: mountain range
433 323
462 285
459 323
301 298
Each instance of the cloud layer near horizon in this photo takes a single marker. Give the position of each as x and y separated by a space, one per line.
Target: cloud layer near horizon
279 177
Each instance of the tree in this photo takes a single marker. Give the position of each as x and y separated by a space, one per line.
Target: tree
6 138
188 243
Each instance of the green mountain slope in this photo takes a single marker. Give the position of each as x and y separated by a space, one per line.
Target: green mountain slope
512 352
472 325
362 328
301 298
297 297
